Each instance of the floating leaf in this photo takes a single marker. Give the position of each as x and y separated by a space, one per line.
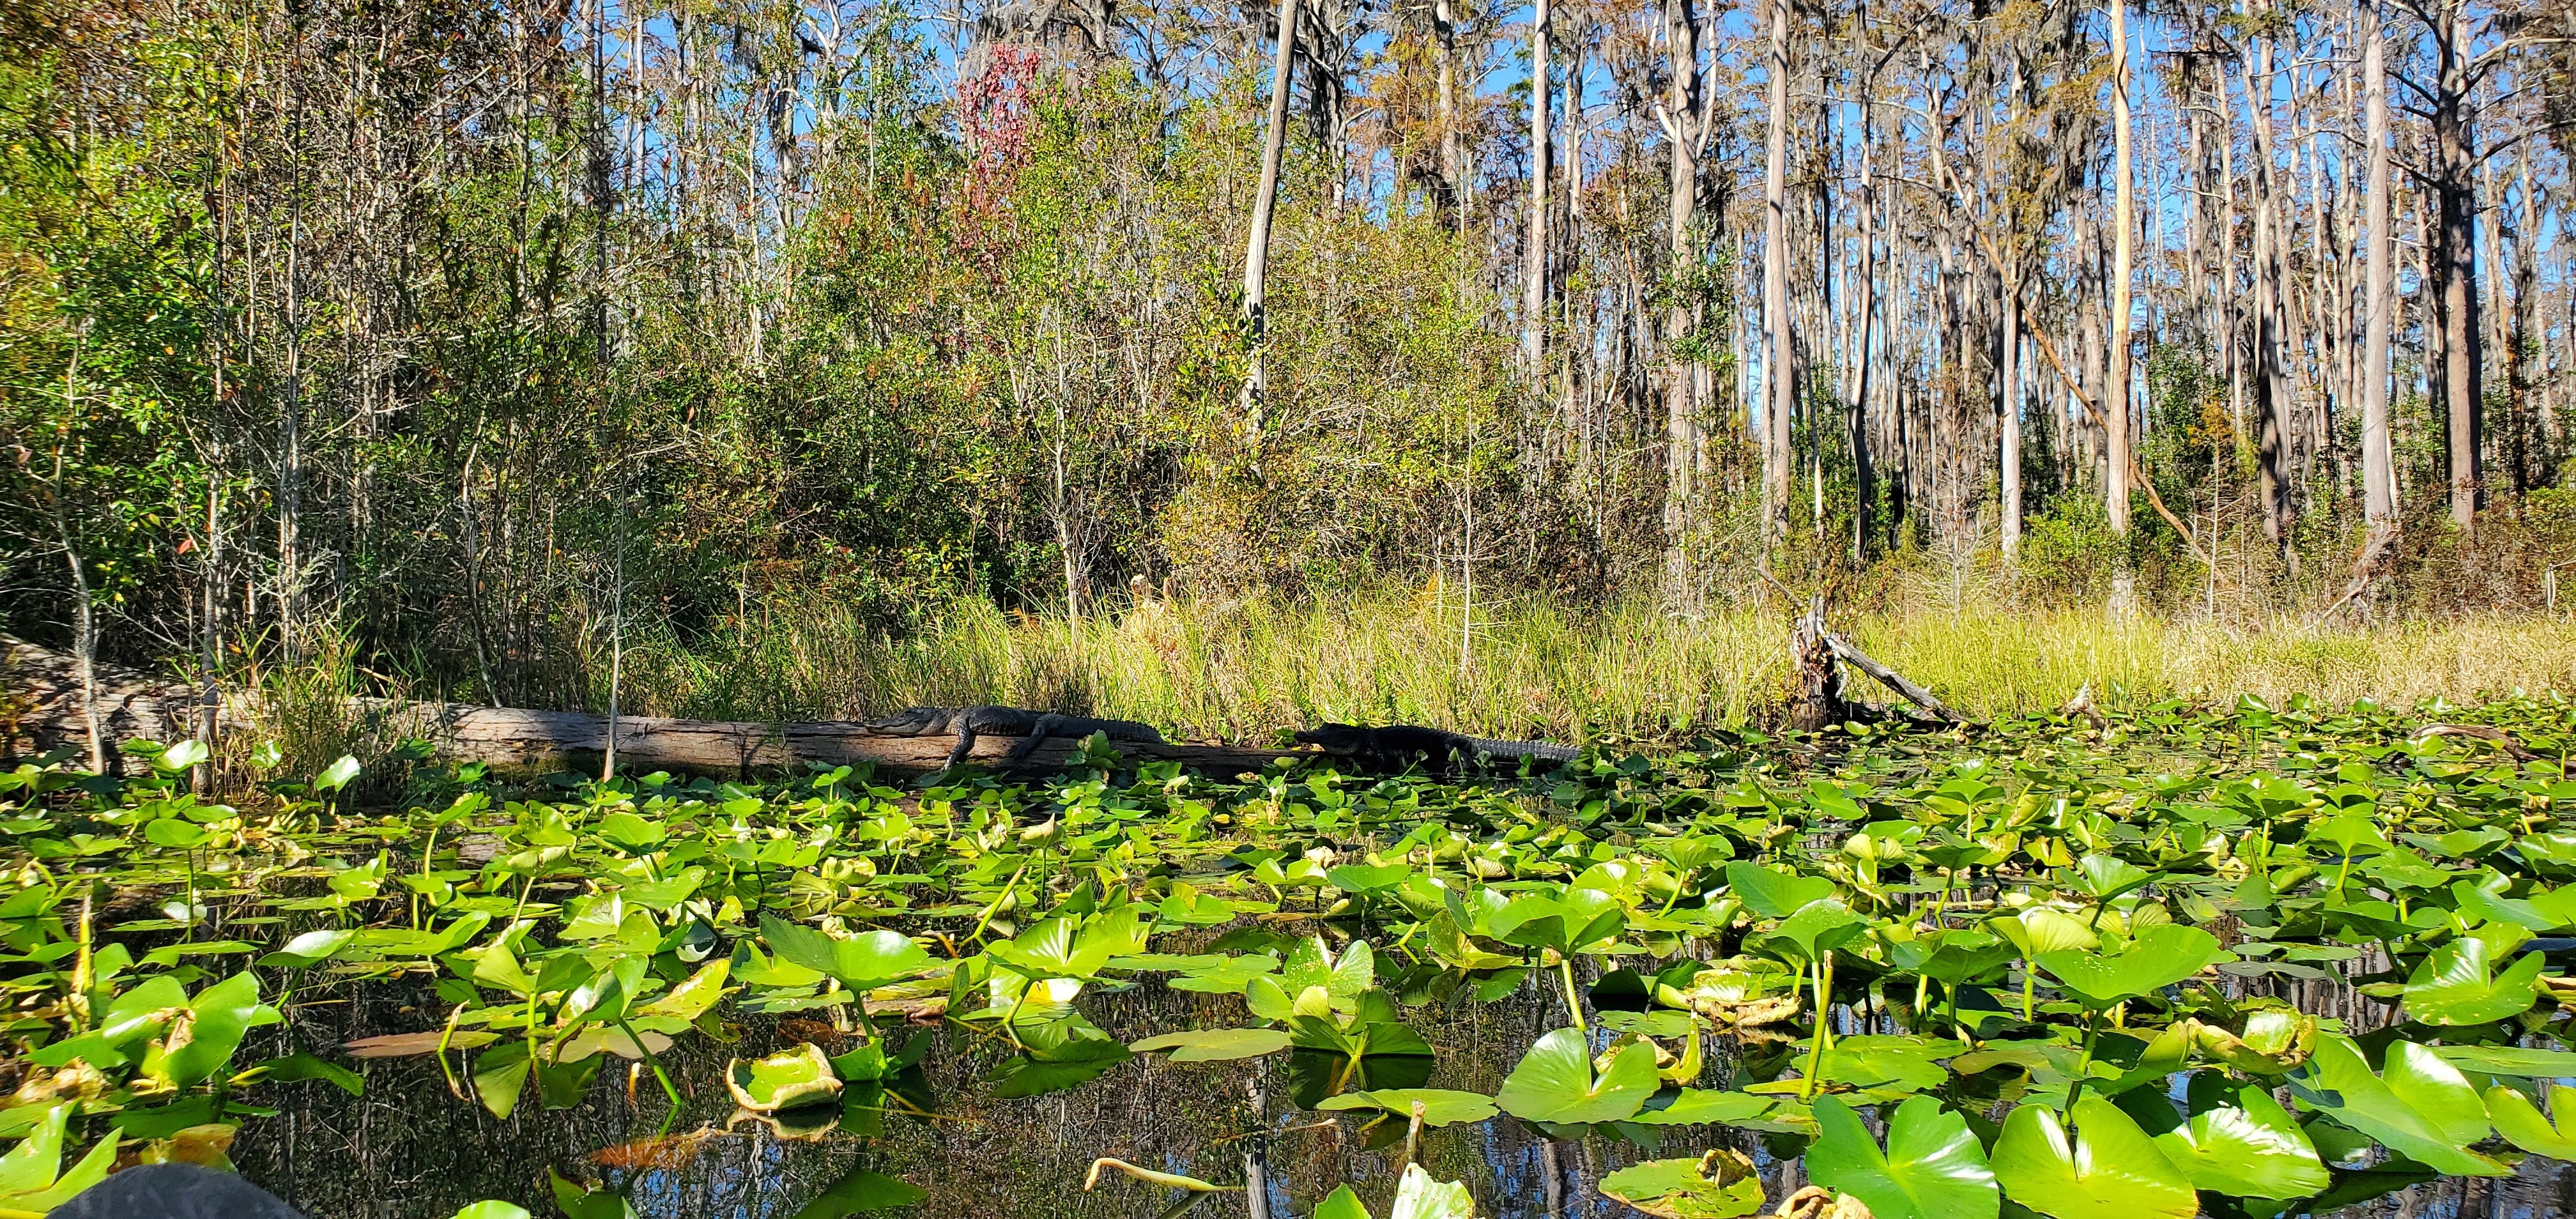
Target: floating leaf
2252 1148
2420 1107
2454 985
1440 1107
1215 1045
2111 1170
2157 958
1933 1167
785 1080
1554 1082
861 1192
1718 1185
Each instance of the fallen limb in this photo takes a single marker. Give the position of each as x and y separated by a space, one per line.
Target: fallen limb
1893 680
44 713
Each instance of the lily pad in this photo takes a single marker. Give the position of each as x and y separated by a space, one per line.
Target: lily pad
1440 1106
1555 1082
1933 1167
1215 1045
1718 1185
801 1076
2109 1170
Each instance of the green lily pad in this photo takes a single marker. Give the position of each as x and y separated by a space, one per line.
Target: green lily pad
2419 1107
1554 1082
2455 985
2157 958
1215 1045
2110 1170
2252 1148
1440 1106
1718 1185
1933 1167
801 1076
2523 1125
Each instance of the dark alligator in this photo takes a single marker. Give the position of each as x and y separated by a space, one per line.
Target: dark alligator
1033 728
1396 746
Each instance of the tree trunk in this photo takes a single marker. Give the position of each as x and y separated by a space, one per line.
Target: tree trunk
2454 265
1681 415
1780 393
1534 249
2115 399
2379 302
2008 420
1256 252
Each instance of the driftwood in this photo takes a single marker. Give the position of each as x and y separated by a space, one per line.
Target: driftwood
42 712
1824 697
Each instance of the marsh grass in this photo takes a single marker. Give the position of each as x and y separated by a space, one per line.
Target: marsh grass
1247 670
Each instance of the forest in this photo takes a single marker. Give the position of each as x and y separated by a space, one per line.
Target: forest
470 348
1048 534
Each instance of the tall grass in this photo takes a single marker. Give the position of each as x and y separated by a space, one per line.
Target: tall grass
1248 669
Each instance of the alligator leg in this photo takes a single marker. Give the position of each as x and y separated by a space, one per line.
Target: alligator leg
1046 726
965 744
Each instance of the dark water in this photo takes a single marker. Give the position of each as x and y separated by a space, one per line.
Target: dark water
409 1149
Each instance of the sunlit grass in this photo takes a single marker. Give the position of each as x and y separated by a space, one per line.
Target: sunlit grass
1248 669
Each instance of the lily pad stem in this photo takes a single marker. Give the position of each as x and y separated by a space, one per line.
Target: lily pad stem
1573 998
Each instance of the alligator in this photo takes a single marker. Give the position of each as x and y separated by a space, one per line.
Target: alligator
1033 728
1396 746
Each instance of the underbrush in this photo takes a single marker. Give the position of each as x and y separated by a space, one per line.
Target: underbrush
1245 669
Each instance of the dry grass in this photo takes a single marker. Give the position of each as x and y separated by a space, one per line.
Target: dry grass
1245 670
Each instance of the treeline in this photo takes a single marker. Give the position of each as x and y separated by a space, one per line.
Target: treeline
463 341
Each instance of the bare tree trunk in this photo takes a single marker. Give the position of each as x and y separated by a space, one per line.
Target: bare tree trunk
1864 475
1682 132
2008 407
1781 391
1256 251
1445 33
1534 251
84 617
2454 264
2270 385
2115 398
2379 301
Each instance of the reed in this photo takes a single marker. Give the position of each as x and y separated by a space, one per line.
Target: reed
1248 669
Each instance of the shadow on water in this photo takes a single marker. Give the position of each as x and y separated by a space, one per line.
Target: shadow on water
407 1149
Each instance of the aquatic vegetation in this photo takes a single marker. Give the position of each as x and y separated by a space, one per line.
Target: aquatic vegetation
2078 969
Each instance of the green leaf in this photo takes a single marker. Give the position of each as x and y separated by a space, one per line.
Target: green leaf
1440 1106
218 1017
860 1192
2250 1149
2111 1170
2044 929
2516 1061
2453 985
1719 1185
2419 1107
302 1065
1581 919
336 775
861 962
1554 1082
175 833
801 1076
1215 1045
309 949
1772 894
91 1170
1699 1106
1417 1196
500 1075
2157 958
181 756
30 1166
1341 1204
2522 1125
1933 1167
694 997
491 1209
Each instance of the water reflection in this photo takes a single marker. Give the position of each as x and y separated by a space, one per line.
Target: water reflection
408 1149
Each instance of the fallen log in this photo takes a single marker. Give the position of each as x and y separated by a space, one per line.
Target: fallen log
42 712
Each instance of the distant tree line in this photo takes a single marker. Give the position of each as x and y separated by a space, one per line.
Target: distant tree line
463 338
